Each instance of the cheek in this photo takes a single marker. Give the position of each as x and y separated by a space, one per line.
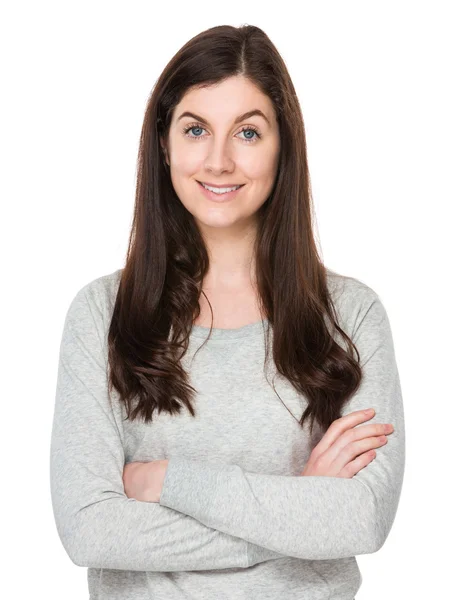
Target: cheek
186 160
261 183
259 166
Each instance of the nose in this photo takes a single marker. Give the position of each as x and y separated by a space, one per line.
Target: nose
220 157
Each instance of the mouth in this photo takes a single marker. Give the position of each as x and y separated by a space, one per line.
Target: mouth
219 196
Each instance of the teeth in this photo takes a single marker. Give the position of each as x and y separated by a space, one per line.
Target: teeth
220 190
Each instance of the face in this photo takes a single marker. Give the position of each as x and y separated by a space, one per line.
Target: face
213 148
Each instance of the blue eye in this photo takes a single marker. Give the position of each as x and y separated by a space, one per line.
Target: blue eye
252 130
196 127
189 128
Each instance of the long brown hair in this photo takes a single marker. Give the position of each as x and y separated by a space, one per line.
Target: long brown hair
160 285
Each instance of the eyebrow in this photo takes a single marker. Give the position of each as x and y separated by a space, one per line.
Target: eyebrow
243 117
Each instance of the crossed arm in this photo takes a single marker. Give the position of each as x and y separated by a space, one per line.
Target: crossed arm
210 516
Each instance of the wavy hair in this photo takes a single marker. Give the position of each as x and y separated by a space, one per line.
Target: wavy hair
158 296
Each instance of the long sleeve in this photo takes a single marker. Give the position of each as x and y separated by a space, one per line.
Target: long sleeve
98 525
312 517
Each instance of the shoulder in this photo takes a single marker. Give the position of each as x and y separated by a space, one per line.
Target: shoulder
353 299
97 297
104 289
344 288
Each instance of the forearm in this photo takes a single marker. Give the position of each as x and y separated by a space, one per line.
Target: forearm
314 517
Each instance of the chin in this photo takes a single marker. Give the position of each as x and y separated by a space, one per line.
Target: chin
215 223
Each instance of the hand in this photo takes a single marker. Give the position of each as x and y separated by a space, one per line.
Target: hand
144 480
342 442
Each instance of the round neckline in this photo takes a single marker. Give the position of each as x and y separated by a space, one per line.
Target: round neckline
219 333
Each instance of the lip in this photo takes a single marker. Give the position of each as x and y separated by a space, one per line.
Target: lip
219 197
223 185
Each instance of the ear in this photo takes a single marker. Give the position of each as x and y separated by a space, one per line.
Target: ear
165 151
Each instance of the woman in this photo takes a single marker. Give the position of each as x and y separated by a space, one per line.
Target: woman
181 463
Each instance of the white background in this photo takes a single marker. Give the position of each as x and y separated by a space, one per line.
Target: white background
379 84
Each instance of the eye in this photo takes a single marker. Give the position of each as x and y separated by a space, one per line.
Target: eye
254 137
244 129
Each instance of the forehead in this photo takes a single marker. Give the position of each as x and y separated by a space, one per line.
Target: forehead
225 101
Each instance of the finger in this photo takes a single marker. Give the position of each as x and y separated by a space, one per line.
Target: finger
360 439
341 425
356 465
342 452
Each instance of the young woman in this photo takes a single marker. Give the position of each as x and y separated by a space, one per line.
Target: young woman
182 464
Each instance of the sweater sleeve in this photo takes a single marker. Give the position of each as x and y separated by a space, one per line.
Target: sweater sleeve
311 517
98 525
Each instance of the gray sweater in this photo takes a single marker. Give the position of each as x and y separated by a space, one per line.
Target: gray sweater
235 520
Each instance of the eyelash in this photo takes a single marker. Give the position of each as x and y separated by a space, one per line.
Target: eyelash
196 125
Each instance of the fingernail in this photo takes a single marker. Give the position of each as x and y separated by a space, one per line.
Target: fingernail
370 411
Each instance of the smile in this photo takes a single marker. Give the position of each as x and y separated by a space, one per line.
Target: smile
219 194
